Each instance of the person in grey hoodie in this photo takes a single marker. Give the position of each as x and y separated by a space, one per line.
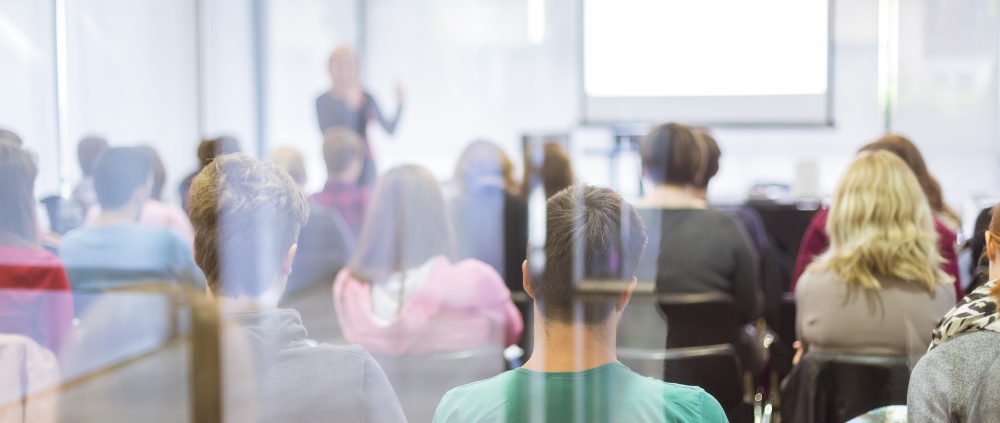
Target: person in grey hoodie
959 378
247 215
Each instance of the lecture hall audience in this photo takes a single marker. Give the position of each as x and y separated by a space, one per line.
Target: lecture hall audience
401 293
34 290
73 213
574 374
247 215
877 289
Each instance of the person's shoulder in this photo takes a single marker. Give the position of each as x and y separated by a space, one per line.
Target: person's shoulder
472 269
482 396
351 355
813 278
684 401
28 256
673 391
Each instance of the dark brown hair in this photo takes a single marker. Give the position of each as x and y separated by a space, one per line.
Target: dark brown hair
906 150
341 147
18 169
591 234
406 224
246 214
556 171
710 154
210 148
671 155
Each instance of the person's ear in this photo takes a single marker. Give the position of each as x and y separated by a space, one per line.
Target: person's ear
626 295
286 263
527 284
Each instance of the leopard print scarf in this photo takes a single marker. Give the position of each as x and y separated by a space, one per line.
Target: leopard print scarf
976 312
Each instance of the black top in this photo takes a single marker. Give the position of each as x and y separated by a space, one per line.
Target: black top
700 250
331 112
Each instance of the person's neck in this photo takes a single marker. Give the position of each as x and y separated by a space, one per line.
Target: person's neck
267 300
340 178
670 196
245 304
124 215
571 347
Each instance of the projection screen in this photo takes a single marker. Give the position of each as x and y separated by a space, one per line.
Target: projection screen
707 62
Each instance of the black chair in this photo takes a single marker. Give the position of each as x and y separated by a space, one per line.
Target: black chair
421 380
828 387
711 319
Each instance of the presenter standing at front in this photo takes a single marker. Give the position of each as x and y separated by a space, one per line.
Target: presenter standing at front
347 104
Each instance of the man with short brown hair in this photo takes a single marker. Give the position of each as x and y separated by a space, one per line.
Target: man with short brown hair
247 215
581 283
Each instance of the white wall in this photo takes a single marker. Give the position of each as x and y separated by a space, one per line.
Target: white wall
471 72
133 78
27 81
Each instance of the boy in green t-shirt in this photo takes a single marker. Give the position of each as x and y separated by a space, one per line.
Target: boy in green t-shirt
593 242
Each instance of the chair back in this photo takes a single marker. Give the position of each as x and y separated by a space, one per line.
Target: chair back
703 347
421 380
700 319
90 284
828 387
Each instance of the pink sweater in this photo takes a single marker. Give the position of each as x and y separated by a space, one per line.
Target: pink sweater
460 306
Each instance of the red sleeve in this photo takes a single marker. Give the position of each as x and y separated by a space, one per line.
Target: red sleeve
56 308
946 247
814 242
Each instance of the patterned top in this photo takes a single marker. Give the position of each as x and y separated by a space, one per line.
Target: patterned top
350 200
978 311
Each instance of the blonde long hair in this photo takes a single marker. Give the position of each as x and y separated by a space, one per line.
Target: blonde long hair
881 225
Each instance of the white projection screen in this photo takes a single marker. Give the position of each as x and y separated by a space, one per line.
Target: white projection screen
707 62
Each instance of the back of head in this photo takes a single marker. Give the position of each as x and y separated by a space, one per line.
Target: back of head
407 224
483 164
908 152
710 155
246 215
291 161
209 149
18 169
557 171
159 171
880 225
10 137
592 235
671 155
88 151
118 173
341 148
